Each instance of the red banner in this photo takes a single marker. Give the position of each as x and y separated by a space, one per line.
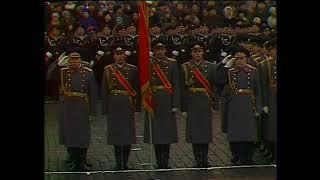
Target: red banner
144 58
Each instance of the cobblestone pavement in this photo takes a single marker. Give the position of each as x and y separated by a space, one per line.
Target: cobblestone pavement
102 157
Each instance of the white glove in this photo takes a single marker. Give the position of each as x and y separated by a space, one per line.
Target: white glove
150 54
174 109
92 118
226 59
101 53
265 109
91 63
63 60
49 55
224 54
230 63
176 53
128 53
184 114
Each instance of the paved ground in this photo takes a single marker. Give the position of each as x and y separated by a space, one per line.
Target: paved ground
102 156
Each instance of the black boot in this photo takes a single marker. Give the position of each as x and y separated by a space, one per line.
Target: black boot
117 154
69 158
234 148
205 148
82 161
247 153
126 152
166 154
196 153
157 151
85 158
75 152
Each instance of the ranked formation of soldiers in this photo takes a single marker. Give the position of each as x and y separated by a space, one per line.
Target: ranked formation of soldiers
244 82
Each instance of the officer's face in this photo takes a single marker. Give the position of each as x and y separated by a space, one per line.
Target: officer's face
119 56
160 52
122 32
156 30
74 62
181 29
204 30
55 33
197 54
106 31
79 31
131 30
241 59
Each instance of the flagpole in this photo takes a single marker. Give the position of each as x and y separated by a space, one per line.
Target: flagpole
151 149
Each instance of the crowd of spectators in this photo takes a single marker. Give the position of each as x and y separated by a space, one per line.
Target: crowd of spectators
95 25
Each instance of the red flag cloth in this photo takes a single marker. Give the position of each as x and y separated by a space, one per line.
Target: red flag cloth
144 58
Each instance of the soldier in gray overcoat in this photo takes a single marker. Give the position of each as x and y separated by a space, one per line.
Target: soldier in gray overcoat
166 98
79 96
120 94
269 91
244 101
198 79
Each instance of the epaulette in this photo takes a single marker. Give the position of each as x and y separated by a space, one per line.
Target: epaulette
65 68
132 66
231 69
208 62
264 61
251 67
254 55
171 59
186 63
106 67
87 69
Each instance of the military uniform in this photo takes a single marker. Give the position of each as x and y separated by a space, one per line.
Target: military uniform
269 84
120 104
103 43
243 98
53 47
79 96
131 42
205 40
220 46
178 42
166 96
84 42
197 101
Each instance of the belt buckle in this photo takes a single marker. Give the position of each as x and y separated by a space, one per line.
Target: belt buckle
240 90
